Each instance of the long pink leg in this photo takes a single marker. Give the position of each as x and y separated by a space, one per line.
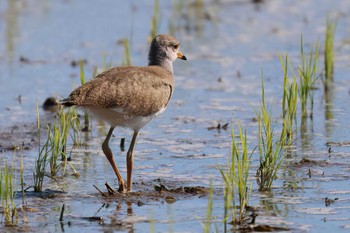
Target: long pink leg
108 153
130 161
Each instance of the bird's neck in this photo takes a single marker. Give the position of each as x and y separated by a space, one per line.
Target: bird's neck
164 63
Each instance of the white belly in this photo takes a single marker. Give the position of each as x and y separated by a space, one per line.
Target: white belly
116 117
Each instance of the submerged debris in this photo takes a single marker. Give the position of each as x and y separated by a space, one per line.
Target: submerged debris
329 144
24 59
262 228
170 199
309 162
62 212
75 63
219 127
329 201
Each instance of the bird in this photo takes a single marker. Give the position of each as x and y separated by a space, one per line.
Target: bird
130 97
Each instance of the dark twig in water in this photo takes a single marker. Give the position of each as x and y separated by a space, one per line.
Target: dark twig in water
109 189
219 127
253 216
100 191
62 211
93 218
26 189
103 205
309 173
122 144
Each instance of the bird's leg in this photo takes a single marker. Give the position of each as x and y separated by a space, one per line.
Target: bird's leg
130 161
108 153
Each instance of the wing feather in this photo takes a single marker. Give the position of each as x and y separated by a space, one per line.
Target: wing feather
136 90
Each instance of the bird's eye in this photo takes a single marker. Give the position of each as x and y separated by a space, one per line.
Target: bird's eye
176 46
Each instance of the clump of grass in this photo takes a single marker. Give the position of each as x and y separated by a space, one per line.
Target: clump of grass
55 146
7 194
270 148
328 51
289 102
41 161
40 166
8 185
58 136
21 177
307 77
75 127
236 181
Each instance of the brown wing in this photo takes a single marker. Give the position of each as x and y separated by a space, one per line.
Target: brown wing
135 90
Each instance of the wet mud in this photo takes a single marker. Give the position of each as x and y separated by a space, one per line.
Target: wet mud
156 192
18 137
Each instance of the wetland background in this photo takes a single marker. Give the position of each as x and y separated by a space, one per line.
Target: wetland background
228 44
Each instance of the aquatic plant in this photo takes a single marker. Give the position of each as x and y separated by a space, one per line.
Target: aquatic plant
57 138
105 65
236 180
7 195
21 177
82 74
152 228
307 77
57 142
289 102
55 145
328 51
41 161
208 218
40 167
75 127
270 148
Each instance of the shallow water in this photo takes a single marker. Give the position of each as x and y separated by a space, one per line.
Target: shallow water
227 43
